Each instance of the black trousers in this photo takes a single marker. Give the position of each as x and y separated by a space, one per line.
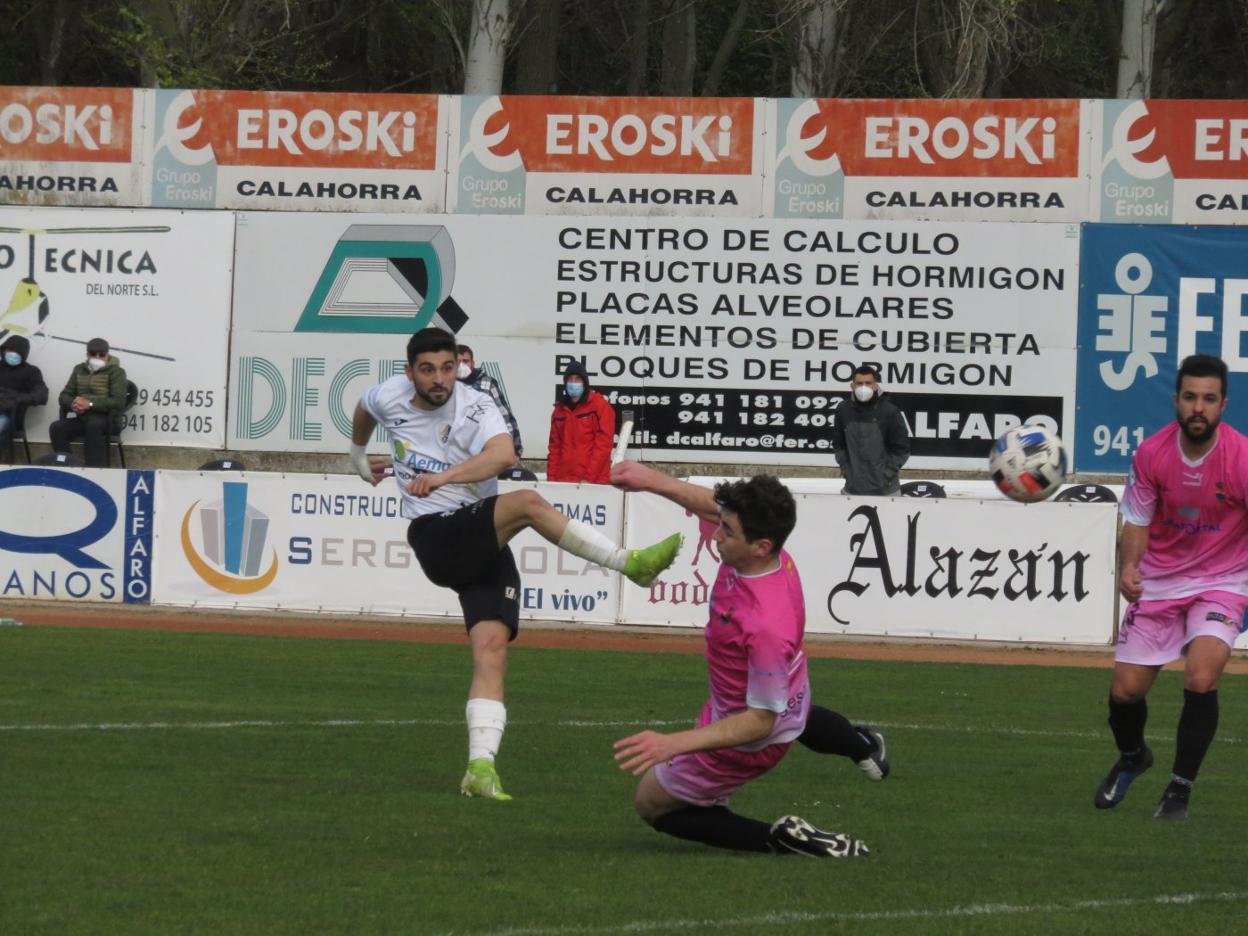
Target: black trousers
91 427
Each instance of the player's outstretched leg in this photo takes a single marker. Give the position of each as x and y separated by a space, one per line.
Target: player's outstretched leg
876 764
481 779
792 834
829 732
1114 787
645 565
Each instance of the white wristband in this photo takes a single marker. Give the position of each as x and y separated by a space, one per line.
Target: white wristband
359 459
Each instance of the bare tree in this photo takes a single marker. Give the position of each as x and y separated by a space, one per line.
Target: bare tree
639 45
1139 33
488 35
679 48
727 45
963 46
537 48
819 28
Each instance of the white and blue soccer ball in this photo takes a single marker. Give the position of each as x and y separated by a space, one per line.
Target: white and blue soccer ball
1027 463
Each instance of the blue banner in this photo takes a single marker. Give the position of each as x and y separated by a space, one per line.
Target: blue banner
1150 295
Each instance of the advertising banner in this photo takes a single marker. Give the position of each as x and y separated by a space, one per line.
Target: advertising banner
154 284
983 160
728 341
533 154
1170 162
76 535
70 146
333 543
292 150
913 567
1149 297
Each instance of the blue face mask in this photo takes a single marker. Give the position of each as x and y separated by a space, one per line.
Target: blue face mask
12 358
574 390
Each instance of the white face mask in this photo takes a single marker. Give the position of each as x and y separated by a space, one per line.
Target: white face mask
95 363
464 371
864 393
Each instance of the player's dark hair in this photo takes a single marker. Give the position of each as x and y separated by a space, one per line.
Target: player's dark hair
765 507
429 339
867 369
1201 365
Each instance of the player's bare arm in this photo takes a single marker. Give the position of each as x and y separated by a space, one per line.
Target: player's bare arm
497 455
372 468
634 476
638 753
1132 544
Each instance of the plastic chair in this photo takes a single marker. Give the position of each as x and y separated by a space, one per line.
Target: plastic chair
223 464
112 434
922 489
1087 494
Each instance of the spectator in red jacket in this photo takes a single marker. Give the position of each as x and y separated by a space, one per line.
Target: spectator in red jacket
582 431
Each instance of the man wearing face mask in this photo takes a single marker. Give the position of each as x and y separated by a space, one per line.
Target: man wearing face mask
870 438
94 394
21 383
582 431
479 380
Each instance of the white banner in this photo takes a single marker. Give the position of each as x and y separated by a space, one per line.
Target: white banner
730 341
332 543
80 535
912 567
155 284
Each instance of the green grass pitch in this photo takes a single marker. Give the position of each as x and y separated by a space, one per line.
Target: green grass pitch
186 783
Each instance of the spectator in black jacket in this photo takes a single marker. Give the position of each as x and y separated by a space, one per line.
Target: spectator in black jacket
478 379
870 437
21 383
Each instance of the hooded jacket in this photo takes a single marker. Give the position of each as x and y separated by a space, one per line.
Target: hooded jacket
106 388
871 442
21 386
581 435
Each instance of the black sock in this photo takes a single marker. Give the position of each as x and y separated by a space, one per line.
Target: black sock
716 826
1198 722
829 732
1126 721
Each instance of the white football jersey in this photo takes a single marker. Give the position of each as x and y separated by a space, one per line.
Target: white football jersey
434 440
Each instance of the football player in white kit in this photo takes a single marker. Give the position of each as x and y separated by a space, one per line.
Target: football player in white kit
449 443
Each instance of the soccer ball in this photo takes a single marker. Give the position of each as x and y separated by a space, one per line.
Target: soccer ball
1027 463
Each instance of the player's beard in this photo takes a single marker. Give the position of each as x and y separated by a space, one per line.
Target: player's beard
429 397
1199 437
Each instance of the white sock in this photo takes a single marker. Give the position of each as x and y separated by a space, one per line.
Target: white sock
580 539
486 721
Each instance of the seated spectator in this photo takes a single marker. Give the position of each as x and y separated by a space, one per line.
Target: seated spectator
582 432
21 384
94 394
478 379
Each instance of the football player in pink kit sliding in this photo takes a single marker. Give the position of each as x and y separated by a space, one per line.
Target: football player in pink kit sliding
1184 568
759 694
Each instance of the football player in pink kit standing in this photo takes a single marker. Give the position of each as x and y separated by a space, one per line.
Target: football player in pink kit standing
759 694
1184 568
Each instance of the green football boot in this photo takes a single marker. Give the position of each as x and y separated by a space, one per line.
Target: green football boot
644 565
482 780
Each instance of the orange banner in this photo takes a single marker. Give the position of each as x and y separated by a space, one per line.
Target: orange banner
1006 138
627 134
66 124
321 130
1200 139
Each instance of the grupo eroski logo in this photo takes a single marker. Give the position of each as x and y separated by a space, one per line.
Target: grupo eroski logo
1125 151
797 148
389 279
174 137
234 536
1132 323
71 545
481 143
